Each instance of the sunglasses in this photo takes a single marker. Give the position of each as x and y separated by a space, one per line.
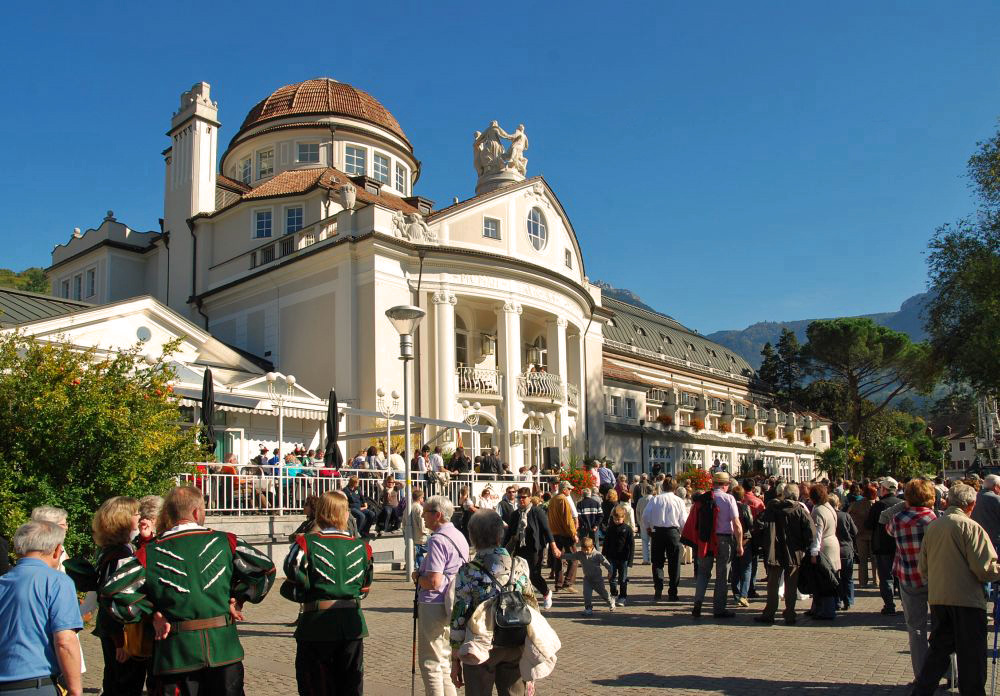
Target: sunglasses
522 497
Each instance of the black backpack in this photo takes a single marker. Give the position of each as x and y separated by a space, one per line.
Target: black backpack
706 515
510 614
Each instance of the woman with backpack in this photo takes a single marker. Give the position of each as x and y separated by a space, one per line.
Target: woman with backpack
491 571
619 549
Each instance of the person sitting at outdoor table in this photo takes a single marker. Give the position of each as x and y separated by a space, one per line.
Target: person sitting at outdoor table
390 497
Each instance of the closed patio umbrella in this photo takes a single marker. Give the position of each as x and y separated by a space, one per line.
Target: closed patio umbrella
332 457
208 413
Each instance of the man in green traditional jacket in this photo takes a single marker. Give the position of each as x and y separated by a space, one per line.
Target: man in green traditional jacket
194 582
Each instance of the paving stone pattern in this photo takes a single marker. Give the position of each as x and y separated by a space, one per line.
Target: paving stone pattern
640 649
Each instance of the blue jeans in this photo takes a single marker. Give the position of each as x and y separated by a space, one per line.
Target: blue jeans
619 579
741 573
419 550
720 560
847 580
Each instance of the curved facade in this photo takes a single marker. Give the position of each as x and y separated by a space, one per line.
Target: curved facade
309 229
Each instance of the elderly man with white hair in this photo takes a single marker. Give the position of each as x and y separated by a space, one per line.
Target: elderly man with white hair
39 617
987 510
447 551
956 558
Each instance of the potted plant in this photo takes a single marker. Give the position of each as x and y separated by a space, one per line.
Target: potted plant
725 427
748 430
697 424
695 479
665 418
808 439
771 433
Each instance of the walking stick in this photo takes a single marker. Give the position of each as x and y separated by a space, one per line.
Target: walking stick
996 629
413 660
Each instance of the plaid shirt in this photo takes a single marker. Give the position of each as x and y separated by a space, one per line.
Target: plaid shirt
907 528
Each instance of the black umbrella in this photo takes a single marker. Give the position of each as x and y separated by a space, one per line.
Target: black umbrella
332 456
208 413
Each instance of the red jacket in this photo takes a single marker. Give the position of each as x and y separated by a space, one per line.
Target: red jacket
755 504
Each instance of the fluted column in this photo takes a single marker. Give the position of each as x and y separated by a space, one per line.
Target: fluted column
556 343
509 362
444 328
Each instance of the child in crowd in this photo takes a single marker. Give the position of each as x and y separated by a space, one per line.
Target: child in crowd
593 578
619 548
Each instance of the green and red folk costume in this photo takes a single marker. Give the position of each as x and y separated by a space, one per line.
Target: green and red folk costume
189 574
329 572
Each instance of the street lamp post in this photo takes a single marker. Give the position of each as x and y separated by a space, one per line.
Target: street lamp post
472 419
278 397
405 319
388 408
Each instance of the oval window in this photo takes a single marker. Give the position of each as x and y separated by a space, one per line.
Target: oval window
537 234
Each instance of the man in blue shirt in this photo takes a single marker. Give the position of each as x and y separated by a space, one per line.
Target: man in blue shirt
39 617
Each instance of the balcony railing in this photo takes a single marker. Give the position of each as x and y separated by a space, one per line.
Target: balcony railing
540 385
573 396
475 380
291 243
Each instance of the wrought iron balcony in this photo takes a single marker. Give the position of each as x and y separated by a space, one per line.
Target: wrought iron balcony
540 385
475 380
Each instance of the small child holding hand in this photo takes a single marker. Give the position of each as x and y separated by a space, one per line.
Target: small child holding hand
593 578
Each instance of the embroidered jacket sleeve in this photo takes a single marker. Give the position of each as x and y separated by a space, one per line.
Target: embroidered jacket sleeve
253 572
122 594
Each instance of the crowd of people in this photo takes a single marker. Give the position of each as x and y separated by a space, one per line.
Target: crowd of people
170 591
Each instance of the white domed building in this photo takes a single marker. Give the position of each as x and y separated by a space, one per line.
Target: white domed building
292 245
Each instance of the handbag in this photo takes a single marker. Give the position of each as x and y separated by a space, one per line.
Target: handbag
138 640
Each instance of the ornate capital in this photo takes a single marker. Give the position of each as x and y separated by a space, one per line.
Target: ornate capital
444 297
511 307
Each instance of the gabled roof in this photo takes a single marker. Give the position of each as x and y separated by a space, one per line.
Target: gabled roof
659 333
20 306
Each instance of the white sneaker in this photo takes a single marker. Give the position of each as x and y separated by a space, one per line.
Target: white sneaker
547 603
621 601
611 603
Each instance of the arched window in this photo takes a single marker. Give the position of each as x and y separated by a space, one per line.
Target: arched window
537 234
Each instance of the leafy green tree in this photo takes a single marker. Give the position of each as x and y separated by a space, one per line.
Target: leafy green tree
874 363
825 396
31 279
770 368
78 427
956 407
843 452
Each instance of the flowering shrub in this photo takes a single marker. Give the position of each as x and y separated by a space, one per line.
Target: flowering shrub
697 424
808 439
748 430
666 418
578 477
695 479
725 427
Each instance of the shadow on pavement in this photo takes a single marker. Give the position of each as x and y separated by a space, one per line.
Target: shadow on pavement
737 686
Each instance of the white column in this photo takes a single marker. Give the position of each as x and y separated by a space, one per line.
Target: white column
444 324
509 362
556 344
581 408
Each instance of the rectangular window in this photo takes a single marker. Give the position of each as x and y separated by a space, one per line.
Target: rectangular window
265 163
78 287
569 259
65 289
293 219
91 282
262 224
246 171
461 349
822 435
308 152
380 168
630 408
616 405
354 160
961 446
400 178
491 228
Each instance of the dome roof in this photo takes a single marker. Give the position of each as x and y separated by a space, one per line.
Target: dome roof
322 95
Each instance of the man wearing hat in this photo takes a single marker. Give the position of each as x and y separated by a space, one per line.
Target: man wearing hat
884 545
714 528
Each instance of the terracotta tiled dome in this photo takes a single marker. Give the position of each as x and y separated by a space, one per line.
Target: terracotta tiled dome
322 95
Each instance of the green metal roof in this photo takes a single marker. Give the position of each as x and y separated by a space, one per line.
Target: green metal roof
661 334
20 306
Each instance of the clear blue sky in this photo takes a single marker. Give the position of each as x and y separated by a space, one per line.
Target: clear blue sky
729 163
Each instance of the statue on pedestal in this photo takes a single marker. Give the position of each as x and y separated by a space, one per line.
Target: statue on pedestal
490 157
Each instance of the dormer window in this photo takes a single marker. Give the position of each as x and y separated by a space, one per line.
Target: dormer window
265 163
639 331
355 160
380 168
308 152
491 228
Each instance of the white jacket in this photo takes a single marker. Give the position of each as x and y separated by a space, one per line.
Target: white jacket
538 659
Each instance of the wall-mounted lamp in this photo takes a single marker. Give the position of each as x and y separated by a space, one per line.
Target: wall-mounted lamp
489 344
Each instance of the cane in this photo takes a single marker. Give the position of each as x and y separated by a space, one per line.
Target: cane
996 629
413 660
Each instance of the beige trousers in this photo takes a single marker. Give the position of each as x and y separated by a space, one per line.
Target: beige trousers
433 649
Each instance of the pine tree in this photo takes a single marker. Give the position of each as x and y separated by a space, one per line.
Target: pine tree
789 366
770 368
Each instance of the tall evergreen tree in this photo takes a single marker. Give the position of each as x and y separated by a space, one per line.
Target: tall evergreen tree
789 366
770 368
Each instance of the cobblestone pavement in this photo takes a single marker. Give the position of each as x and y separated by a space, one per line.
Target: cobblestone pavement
640 649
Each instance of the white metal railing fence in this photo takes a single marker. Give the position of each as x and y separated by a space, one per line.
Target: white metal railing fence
257 491
540 384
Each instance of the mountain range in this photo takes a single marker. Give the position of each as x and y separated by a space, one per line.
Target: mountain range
748 342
